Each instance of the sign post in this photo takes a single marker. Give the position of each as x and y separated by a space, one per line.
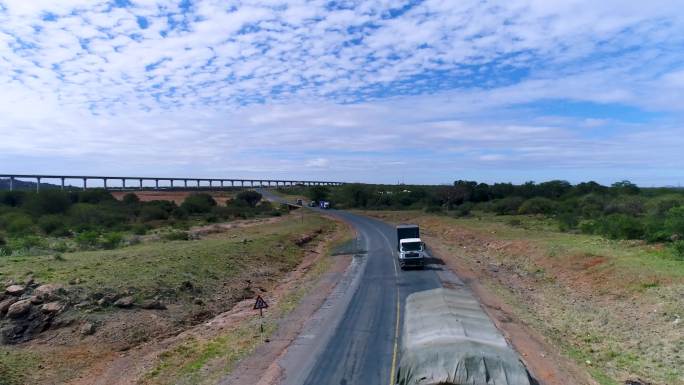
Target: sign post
260 305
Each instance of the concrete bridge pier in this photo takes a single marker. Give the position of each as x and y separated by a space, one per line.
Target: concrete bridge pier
38 185
104 182
85 184
185 182
123 183
62 184
141 186
171 180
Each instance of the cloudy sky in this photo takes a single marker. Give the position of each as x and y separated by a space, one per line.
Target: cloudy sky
370 90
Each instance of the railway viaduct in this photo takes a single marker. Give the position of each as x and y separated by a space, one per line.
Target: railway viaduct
137 182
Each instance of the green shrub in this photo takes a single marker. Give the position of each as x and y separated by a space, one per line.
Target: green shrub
567 221
30 242
507 206
110 240
515 222
140 229
626 204
674 221
176 236
87 239
47 202
17 223
153 213
130 199
52 225
537 205
463 210
620 226
180 213
12 198
95 196
678 249
588 226
251 197
199 203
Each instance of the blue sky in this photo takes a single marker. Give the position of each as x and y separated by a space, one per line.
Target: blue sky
374 91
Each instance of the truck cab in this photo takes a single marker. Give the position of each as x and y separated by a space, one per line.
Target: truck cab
411 249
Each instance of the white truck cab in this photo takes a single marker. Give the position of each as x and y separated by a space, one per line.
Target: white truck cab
411 252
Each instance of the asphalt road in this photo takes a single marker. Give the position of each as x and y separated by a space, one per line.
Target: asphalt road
363 347
356 339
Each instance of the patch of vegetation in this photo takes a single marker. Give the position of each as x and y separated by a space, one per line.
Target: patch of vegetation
16 367
620 211
93 219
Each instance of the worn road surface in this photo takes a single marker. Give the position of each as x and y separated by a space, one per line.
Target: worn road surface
356 340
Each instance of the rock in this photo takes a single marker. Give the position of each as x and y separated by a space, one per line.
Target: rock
48 292
124 302
4 305
107 299
15 290
198 301
19 308
87 329
153 304
51 307
35 300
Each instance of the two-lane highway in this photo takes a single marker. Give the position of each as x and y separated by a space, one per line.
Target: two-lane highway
363 348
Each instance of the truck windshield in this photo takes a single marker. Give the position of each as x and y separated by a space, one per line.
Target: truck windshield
412 246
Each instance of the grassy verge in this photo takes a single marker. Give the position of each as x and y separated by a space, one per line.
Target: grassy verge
206 361
195 278
612 306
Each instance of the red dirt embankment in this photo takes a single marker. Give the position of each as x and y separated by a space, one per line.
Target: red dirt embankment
175 196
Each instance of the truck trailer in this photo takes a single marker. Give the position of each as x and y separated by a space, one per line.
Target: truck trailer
449 340
410 248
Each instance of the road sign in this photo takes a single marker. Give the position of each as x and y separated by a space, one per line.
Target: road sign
260 303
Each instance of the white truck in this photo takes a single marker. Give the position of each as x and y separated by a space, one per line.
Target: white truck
410 247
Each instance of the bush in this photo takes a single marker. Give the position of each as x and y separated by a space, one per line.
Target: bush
176 236
47 202
95 196
17 223
567 221
153 213
111 240
87 239
199 203
674 222
678 249
588 226
629 205
12 198
53 225
180 213
140 229
130 199
252 198
537 205
507 206
620 226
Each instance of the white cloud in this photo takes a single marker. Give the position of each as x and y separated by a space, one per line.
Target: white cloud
270 85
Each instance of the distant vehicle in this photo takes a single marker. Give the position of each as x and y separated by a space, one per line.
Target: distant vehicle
449 340
410 247
300 202
313 204
324 204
